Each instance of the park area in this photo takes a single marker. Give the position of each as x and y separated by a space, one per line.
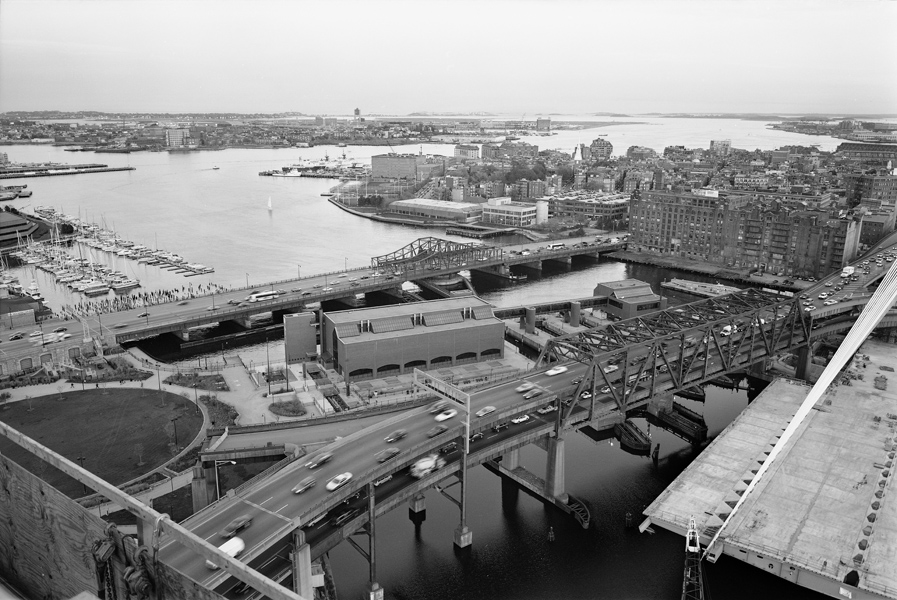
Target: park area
117 434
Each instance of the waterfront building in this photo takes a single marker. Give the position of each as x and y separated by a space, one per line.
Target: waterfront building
504 211
868 153
600 149
175 138
396 166
629 298
607 209
425 208
388 340
467 152
14 228
4 159
543 124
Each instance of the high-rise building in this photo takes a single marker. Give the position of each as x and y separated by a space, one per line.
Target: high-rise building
177 137
467 152
601 149
543 124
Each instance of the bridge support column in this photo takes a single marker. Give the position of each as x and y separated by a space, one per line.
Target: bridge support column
530 319
145 529
376 592
575 308
804 359
554 470
463 535
301 558
417 509
511 460
203 487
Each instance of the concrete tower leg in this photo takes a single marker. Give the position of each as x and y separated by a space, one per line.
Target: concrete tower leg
511 460
575 310
417 509
301 557
530 319
202 487
554 470
804 359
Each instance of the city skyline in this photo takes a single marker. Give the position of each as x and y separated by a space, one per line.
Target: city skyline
502 57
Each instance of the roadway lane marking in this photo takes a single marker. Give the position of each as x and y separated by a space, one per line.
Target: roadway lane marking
270 512
260 503
281 508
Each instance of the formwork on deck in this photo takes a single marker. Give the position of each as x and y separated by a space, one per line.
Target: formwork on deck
825 514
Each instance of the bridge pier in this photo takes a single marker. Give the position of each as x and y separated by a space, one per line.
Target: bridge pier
554 470
566 260
301 559
804 359
511 460
529 319
463 535
575 310
203 486
417 509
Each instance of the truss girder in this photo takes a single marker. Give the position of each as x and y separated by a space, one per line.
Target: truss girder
673 342
434 253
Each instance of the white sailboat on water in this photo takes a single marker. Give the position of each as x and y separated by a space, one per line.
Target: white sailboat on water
270 208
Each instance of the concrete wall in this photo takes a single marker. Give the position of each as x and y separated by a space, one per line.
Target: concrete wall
299 336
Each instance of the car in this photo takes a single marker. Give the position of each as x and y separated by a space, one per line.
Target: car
231 529
809 309
605 389
499 426
318 285
60 329
804 297
556 371
829 284
319 460
382 480
436 430
232 547
304 485
476 436
547 409
395 436
306 293
327 289
450 447
16 336
343 275
485 411
612 368
185 302
342 518
338 481
212 307
119 325
524 387
353 279
35 333
585 395
364 277
438 407
576 381
385 455
446 414
532 394
65 336
295 289
143 314
520 419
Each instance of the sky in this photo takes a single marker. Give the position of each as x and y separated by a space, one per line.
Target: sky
510 57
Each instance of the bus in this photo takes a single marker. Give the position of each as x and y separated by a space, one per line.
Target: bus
261 296
556 246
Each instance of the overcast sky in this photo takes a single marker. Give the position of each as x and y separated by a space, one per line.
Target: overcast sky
500 56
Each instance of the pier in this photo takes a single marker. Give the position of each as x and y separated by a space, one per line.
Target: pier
20 171
697 288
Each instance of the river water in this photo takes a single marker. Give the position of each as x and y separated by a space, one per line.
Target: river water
220 218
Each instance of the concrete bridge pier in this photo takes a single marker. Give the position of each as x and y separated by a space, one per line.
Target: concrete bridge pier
529 319
566 260
511 460
804 359
554 470
535 266
575 313
417 509
204 486
463 535
301 559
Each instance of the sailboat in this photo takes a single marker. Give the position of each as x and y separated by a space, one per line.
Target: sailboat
270 208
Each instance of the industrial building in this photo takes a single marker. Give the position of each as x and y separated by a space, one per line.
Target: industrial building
388 340
629 298
503 211
465 212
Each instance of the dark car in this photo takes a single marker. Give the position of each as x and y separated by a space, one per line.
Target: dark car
451 447
60 329
241 522
476 436
319 460
385 455
342 518
395 436
499 426
16 336
437 430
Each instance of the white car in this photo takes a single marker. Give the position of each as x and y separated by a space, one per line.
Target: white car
556 371
547 409
520 419
525 387
446 414
338 481
485 411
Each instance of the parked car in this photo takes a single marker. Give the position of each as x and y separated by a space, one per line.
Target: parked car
231 529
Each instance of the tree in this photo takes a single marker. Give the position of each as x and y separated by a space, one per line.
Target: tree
567 175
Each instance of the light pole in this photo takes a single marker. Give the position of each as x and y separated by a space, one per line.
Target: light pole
247 280
298 271
346 263
218 463
268 360
174 421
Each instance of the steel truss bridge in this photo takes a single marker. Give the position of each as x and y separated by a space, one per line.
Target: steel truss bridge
432 254
675 349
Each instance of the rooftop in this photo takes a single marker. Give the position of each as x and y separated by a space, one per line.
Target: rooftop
400 310
824 506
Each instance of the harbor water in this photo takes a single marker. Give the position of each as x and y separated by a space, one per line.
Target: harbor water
220 218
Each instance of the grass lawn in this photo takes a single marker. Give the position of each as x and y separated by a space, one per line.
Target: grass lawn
110 428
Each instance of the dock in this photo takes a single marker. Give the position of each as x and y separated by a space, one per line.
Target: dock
54 170
697 288
824 516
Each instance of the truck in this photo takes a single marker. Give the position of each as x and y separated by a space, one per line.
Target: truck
427 465
847 271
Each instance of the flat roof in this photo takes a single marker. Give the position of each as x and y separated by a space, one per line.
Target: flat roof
825 505
401 310
436 203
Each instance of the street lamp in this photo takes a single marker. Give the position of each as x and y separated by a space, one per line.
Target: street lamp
247 280
268 360
217 482
346 263
298 271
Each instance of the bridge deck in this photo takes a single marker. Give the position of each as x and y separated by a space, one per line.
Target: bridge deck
809 519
